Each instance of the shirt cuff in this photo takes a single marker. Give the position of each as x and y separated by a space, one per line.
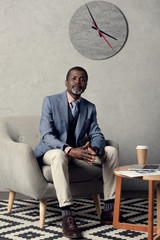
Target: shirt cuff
67 149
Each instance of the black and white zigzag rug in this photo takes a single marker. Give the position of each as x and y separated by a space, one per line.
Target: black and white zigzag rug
23 222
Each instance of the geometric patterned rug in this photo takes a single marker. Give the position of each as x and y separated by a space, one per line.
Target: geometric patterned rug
23 222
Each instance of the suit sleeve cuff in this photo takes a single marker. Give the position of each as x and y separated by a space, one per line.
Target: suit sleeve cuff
67 149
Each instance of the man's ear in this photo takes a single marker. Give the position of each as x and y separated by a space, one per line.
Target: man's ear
66 83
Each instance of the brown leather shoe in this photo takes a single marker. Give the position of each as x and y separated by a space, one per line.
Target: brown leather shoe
107 218
69 228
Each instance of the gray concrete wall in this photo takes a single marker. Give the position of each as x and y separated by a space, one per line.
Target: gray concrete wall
36 52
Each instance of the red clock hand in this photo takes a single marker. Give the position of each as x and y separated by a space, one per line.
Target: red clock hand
102 35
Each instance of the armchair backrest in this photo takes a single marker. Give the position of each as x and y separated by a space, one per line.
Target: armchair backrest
23 129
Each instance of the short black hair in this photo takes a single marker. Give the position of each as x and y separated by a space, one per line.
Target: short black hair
78 69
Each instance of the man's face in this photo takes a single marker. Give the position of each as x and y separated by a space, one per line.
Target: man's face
76 83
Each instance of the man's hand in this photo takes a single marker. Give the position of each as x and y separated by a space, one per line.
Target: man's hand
93 149
85 153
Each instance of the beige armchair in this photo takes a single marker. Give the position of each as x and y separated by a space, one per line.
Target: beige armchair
21 173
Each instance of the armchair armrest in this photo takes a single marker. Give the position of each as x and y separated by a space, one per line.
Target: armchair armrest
113 144
19 169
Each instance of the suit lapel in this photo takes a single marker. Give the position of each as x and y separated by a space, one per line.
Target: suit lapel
64 110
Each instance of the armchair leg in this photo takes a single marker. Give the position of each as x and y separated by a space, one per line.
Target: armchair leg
97 204
11 200
43 206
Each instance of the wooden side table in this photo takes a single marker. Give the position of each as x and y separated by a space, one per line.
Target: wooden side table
146 228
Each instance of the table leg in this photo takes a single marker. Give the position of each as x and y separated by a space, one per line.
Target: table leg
132 226
158 208
157 237
117 202
151 210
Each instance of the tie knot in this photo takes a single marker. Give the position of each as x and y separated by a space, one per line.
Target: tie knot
74 103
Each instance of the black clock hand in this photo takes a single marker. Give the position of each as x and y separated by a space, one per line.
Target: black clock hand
105 33
91 16
93 19
108 35
97 26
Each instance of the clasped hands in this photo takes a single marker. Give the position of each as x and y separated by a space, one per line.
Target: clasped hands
85 153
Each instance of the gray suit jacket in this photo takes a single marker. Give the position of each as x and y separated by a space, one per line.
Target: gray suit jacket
55 122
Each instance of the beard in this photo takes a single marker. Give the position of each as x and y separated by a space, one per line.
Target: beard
77 90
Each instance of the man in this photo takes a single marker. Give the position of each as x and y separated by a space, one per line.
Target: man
66 119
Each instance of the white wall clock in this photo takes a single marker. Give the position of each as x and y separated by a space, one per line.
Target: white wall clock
98 30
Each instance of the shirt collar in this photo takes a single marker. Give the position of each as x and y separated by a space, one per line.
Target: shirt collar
71 99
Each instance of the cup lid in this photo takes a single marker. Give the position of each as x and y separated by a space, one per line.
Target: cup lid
141 147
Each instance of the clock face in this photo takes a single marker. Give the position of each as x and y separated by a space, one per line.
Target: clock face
98 30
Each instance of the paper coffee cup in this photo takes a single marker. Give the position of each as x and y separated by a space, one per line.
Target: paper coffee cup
142 152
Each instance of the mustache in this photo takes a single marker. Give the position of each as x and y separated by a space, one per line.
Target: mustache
75 85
